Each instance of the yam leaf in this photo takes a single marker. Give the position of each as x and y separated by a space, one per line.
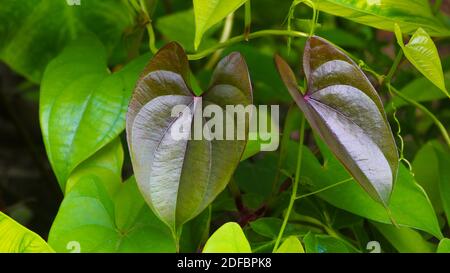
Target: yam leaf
179 178
382 14
16 238
210 12
229 238
423 54
343 107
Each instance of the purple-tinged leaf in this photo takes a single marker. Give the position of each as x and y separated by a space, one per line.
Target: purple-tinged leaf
342 106
180 178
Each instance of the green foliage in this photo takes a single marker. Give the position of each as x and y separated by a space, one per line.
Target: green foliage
209 13
383 14
291 245
326 244
444 246
102 214
16 238
82 106
229 238
31 37
336 183
422 53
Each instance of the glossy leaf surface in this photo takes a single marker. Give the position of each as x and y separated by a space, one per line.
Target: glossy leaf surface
82 106
423 54
180 178
344 109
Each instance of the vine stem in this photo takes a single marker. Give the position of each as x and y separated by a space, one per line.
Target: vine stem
324 189
425 111
226 32
294 186
150 30
240 38
397 61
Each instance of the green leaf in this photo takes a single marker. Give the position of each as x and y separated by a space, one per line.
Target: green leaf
263 74
444 246
195 232
420 90
343 107
269 227
409 205
443 158
210 12
82 106
405 240
102 214
179 178
180 27
35 31
326 244
229 238
422 53
291 245
427 172
383 14
16 238
258 139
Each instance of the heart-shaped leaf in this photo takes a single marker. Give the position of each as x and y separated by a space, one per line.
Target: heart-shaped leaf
291 245
423 54
99 213
342 106
229 238
180 178
82 107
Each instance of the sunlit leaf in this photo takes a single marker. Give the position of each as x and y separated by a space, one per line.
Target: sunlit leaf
383 14
291 245
180 178
15 238
444 246
229 238
422 53
209 12
345 110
